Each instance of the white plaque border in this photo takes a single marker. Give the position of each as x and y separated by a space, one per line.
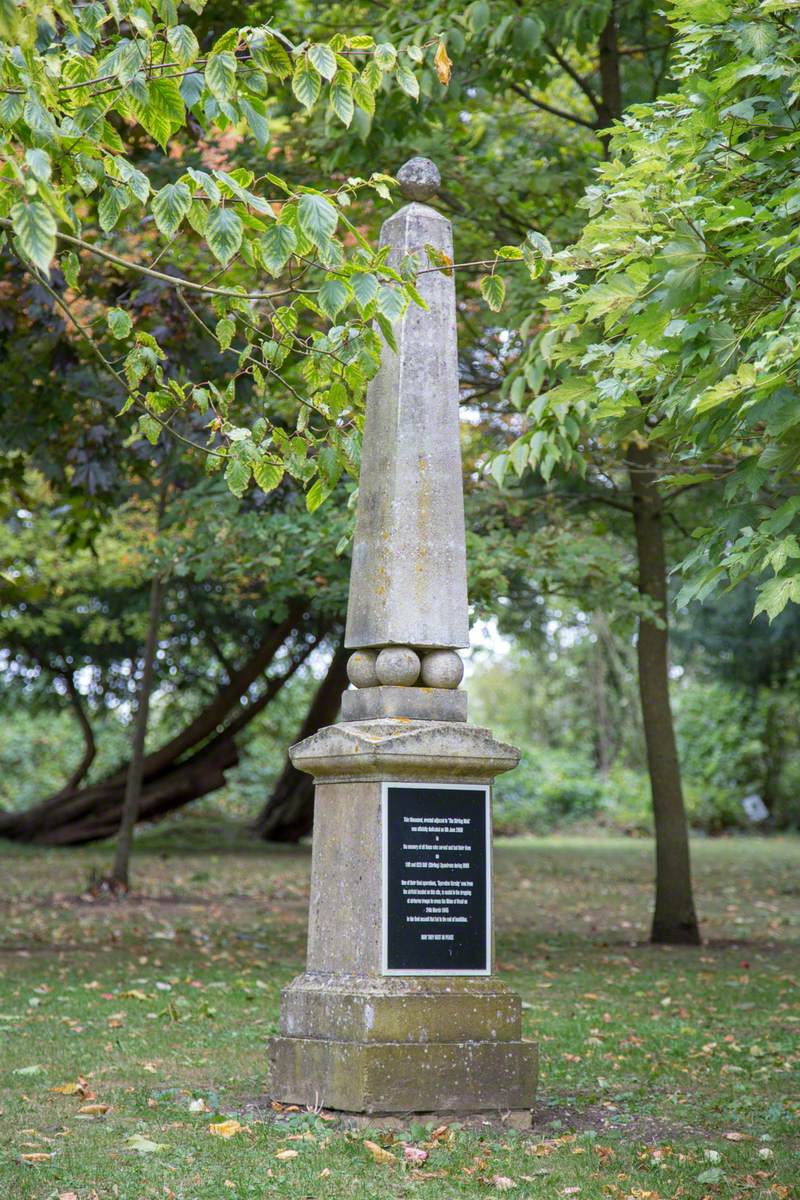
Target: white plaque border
478 787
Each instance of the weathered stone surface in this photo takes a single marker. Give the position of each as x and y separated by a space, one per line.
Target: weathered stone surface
397 666
361 669
413 703
398 750
408 582
419 179
407 1009
375 1077
442 669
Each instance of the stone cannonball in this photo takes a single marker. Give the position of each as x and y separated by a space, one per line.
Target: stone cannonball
397 666
419 179
442 669
361 669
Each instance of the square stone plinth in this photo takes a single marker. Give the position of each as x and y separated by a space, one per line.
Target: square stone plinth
400 1009
381 1077
407 703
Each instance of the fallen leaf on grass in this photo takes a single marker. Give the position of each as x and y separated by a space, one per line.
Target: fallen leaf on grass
503 1183
34 1070
67 1196
285 1155
143 1145
325 1173
735 1137
94 1110
378 1153
225 1129
36 1158
133 994
414 1154
69 1089
198 1106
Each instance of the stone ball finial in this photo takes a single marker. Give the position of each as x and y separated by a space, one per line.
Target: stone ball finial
419 179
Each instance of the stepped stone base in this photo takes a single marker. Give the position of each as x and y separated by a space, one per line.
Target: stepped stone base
400 1009
381 1077
364 1044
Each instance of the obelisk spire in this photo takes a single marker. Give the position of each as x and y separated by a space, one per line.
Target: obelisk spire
408 582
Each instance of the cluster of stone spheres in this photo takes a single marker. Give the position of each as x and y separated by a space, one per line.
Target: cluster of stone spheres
400 666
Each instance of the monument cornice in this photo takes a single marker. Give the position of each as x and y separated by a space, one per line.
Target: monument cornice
397 749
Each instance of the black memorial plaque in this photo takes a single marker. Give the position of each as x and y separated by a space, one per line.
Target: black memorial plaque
436 888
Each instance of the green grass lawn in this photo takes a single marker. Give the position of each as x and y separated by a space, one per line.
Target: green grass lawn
665 1072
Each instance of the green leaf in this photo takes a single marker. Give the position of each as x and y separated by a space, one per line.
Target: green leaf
225 330
136 180
316 495
493 290
385 55
224 234
317 218
112 204
391 302
323 58
35 230
237 476
220 75
332 297
119 322
183 44
342 102
151 429
498 468
712 1175
39 164
509 252
267 474
364 97
365 288
276 247
70 267
270 56
306 83
775 595
170 206
164 111
407 80
255 113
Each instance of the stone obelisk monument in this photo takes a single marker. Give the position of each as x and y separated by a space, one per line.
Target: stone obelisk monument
398 1010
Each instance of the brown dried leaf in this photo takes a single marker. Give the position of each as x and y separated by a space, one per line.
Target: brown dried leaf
443 63
378 1153
225 1129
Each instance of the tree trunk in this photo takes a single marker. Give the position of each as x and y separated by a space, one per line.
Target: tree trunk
674 919
774 753
133 783
288 815
90 749
610 83
603 724
94 812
